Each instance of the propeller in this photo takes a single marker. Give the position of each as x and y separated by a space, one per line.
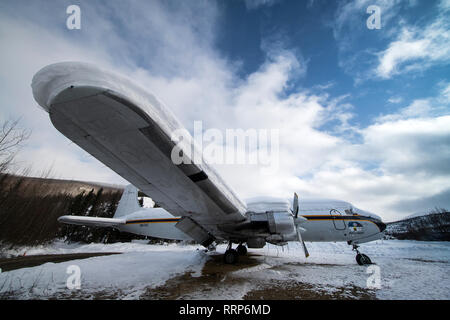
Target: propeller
295 210
299 234
295 206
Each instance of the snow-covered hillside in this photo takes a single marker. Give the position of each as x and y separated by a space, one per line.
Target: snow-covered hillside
432 226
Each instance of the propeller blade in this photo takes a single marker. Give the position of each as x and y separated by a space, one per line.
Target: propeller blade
305 250
295 205
297 221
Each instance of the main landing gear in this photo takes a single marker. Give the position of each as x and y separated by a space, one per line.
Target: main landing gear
361 258
231 255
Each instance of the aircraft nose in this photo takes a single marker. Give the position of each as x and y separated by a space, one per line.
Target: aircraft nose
381 225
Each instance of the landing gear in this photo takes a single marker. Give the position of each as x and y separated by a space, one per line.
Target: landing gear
231 256
211 247
361 258
241 250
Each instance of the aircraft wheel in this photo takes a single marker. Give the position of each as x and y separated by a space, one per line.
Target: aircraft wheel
241 250
362 259
231 256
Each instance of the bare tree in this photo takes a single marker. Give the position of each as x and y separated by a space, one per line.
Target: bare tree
12 138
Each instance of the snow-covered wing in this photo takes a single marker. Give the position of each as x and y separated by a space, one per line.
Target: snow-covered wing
263 204
92 221
129 130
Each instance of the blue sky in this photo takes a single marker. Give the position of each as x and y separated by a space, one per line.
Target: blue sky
308 28
363 114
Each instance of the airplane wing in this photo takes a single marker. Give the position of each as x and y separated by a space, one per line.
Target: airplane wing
129 130
92 221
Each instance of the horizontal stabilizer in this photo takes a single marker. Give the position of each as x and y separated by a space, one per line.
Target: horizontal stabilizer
92 221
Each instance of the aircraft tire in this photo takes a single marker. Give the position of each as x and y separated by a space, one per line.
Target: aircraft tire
241 250
231 256
362 259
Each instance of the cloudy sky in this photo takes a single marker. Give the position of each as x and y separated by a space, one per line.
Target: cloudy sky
363 114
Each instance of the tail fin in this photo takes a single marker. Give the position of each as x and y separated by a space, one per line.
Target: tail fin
128 203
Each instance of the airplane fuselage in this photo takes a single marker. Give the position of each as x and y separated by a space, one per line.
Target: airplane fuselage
319 226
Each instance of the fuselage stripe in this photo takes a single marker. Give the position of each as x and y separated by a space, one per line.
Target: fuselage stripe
334 217
312 217
309 217
153 221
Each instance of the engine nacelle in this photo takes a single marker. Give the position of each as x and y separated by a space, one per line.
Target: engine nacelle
280 225
256 243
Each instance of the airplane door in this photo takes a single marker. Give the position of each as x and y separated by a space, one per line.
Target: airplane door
338 221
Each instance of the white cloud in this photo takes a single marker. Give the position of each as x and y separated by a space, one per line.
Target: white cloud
416 49
350 30
350 18
326 86
444 5
256 4
395 100
409 146
412 47
445 94
418 108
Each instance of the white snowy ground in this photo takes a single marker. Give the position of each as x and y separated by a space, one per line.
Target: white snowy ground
408 270
128 274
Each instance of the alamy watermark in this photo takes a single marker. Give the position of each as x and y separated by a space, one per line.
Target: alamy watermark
74 278
73 21
374 280
234 146
374 20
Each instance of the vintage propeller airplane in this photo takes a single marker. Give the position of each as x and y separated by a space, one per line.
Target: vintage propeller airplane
129 130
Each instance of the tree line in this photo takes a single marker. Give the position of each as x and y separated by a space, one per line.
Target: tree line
434 226
30 207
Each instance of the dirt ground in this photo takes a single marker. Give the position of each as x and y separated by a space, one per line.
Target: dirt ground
217 276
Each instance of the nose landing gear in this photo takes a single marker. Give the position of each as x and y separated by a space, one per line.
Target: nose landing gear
361 258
